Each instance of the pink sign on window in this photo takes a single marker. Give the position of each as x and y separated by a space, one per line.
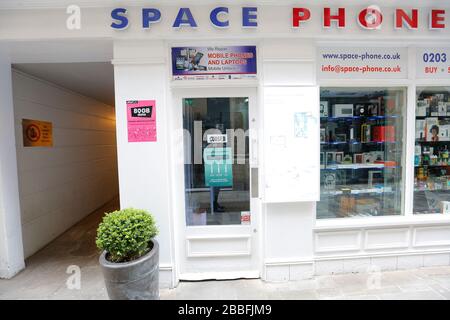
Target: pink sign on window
141 120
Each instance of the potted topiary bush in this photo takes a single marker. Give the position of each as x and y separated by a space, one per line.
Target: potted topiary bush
130 257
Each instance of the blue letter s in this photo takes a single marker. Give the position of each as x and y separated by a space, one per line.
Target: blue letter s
119 15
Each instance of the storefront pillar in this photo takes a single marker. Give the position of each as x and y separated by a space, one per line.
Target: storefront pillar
140 75
11 248
288 226
289 252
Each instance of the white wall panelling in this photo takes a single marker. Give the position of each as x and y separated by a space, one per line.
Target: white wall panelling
62 184
11 248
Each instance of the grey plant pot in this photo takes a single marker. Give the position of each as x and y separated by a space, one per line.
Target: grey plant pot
135 280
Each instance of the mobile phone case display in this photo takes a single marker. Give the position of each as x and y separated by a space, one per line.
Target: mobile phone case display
431 157
361 132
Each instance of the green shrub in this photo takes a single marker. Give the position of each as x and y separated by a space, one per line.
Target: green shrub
126 234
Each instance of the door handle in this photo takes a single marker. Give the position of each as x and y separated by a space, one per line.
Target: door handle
254 182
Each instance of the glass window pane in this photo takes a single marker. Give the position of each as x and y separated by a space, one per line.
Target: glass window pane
431 156
361 132
216 166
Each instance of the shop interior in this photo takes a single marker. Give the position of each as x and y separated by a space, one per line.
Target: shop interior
361 143
431 156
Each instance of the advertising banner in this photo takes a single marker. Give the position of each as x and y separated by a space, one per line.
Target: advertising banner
215 62
362 63
141 120
218 167
433 63
37 133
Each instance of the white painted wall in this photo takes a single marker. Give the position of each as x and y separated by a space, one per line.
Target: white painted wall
61 185
141 74
11 252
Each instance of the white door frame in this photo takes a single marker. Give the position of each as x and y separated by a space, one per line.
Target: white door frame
234 243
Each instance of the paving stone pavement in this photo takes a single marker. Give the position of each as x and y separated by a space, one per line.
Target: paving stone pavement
46 277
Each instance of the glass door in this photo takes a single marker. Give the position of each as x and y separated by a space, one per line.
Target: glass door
217 170
220 206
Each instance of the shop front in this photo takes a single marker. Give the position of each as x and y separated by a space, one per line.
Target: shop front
276 141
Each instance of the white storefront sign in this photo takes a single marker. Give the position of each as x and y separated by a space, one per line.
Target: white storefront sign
362 63
433 63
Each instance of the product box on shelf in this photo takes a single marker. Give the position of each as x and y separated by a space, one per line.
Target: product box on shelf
323 135
361 110
442 109
366 133
330 158
383 134
445 207
444 131
368 157
343 110
347 159
391 104
439 97
329 181
373 109
420 130
432 129
347 205
417 159
324 108
339 157
434 110
422 108
358 158
375 177
378 156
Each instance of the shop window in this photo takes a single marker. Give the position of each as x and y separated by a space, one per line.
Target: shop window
216 166
361 134
431 156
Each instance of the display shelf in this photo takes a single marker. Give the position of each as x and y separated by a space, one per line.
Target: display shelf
358 142
431 158
359 166
432 142
439 117
427 189
433 166
367 118
356 191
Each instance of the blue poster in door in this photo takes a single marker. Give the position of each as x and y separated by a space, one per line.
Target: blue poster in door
218 167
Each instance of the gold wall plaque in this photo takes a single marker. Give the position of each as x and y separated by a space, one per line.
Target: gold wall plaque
37 133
